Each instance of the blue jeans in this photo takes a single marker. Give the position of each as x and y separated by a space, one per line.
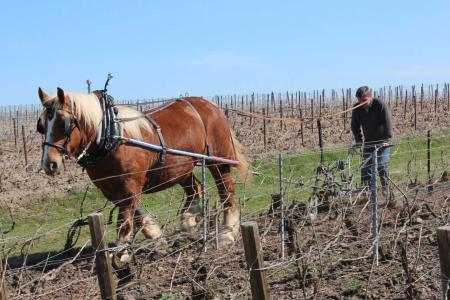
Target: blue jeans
383 156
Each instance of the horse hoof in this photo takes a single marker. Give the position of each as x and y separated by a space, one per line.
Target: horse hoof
188 222
120 260
226 239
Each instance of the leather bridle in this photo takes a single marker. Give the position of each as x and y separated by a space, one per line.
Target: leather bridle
69 125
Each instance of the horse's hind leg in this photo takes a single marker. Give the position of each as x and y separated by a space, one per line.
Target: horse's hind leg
191 212
149 227
226 188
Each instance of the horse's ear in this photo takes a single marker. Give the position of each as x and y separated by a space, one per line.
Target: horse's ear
42 95
61 96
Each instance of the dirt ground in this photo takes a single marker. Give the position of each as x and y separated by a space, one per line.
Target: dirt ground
330 258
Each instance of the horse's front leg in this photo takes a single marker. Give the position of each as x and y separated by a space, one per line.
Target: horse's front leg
124 226
125 220
130 218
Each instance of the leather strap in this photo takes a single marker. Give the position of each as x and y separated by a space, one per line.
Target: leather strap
162 156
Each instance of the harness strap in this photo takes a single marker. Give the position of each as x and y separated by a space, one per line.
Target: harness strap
107 140
59 147
162 156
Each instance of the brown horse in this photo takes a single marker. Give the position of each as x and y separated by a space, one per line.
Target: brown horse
192 124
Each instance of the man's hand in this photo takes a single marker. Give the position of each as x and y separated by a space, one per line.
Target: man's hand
385 145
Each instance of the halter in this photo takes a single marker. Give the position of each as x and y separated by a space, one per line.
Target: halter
68 129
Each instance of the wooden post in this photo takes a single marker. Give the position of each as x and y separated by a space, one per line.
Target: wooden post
320 106
255 262
415 112
344 114
281 114
3 290
312 115
252 107
323 100
102 259
421 97
319 128
396 96
430 187
264 129
405 107
389 97
443 238
24 141
15 133
301 126
448 96
435 100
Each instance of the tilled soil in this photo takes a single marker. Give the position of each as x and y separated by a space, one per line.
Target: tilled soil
330 258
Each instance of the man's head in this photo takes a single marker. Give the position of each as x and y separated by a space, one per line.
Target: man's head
364 95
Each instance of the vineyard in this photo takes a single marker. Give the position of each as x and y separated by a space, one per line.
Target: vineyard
297 143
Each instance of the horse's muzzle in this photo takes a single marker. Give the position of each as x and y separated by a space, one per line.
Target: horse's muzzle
52 168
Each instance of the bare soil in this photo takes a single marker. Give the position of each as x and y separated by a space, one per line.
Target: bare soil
328 259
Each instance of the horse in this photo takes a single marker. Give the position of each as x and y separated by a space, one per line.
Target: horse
70 124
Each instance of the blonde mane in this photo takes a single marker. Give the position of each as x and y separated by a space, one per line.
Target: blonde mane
86 108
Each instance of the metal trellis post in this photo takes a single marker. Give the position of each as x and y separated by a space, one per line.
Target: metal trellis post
204 206
280 171
373 197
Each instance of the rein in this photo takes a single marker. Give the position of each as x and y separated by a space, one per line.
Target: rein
304 120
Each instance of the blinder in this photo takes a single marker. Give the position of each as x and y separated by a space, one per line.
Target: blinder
40 126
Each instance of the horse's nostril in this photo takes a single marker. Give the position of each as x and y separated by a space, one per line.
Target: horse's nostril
53 166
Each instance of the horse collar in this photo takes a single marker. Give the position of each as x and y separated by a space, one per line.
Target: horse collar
107 136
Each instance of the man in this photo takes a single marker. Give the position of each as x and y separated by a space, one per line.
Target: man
375 120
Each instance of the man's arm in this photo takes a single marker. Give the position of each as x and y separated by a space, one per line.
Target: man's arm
356 129
386 121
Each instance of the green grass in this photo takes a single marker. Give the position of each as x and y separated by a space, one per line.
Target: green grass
170 296
353 286
53 216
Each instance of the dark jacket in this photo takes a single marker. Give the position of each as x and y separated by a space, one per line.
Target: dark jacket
375 122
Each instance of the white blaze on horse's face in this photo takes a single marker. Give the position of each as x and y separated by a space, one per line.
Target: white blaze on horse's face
51 158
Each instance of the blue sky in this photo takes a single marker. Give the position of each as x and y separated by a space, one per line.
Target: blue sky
168 48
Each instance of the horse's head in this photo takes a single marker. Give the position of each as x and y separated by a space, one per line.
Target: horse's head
61 129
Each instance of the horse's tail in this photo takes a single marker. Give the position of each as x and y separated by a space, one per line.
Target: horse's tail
239 155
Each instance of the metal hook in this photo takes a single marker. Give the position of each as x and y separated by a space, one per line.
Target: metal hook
110 76
89 82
